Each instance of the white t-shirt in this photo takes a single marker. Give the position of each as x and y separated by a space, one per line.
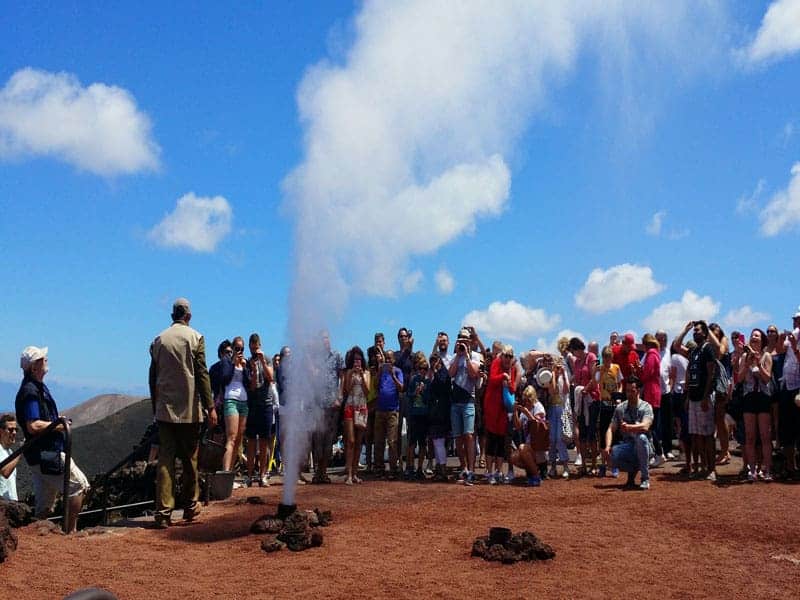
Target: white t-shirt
664 372
680 363
8 486
235 389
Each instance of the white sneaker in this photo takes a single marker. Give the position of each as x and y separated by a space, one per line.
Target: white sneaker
565 474
658 461
578 461
429 467
670 456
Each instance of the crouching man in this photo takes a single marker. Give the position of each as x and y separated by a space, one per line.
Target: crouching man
36 410
632 418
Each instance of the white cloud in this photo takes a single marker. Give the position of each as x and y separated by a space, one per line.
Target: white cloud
407 129
510 321
743 317
782 212
779 34
616 287
747 205
654 226
445 282
97 128
673 316
551 344
197 223
412 281
787 133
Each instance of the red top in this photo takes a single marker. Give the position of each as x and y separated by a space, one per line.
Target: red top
625 357
651 377
495 418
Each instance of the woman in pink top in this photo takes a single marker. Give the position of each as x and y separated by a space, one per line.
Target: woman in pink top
651 386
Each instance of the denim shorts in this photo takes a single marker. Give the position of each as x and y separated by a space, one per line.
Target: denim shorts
462 418
234 408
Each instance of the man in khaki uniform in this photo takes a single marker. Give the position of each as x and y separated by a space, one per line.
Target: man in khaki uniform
179 389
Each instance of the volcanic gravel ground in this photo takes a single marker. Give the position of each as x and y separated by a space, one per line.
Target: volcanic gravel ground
681 539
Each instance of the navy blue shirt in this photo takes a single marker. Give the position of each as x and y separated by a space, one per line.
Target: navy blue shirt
34 403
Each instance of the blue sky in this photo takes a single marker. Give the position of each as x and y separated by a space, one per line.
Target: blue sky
529 168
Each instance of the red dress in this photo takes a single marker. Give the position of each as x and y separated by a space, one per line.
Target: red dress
495 417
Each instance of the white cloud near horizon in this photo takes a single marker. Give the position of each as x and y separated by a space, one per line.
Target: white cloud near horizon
673 316
510 321
197 223
97 128
746 205
782 212
618 286
778 36
406 133
445 282
743 317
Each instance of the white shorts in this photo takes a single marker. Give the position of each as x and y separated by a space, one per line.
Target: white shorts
47 487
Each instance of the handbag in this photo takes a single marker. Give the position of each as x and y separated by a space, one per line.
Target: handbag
508 399
360 416
51 462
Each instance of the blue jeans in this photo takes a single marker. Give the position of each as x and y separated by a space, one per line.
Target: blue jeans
557 446
632 455
462 418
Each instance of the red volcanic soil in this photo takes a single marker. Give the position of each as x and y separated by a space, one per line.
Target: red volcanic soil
681 540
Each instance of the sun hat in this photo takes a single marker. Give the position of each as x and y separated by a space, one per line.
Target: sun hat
30 355
544 377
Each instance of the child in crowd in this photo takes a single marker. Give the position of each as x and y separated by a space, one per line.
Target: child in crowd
417 394
608 379
529 418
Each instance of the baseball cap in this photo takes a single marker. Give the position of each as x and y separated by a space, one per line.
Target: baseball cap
30 355
629 339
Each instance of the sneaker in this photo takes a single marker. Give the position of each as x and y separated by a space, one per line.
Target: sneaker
534 481
565 474
712 476
658 461
552 473
493 479
767 477
578 461
614 472
429 468
462 477
469 479
509 478
408 474
264 481
237 485
645 485
670 456
751 477
602 471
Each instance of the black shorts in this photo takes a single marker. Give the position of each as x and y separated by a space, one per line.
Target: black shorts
757 403
417 430
495 444
260 421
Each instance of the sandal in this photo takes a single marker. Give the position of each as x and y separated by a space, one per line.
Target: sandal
724 460
348 481
357 479
482 463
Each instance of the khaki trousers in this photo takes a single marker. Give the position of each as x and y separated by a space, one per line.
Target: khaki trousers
177 440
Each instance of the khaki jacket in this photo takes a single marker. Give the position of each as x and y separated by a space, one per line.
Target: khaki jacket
179 382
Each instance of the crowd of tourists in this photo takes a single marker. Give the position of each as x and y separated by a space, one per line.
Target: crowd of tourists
629 406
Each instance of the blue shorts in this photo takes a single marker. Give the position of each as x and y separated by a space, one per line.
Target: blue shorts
234 408
462 418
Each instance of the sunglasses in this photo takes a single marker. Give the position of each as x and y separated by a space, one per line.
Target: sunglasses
238 348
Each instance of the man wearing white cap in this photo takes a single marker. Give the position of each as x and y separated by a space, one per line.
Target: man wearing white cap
36 410
179 389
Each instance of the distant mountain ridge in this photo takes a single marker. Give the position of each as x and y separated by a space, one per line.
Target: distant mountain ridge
100 407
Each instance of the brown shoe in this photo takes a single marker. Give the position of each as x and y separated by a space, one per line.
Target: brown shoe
162 522
192 511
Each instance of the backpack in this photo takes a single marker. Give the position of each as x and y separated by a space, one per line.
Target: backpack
722 380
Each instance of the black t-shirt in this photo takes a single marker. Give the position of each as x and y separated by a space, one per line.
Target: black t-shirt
697 371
